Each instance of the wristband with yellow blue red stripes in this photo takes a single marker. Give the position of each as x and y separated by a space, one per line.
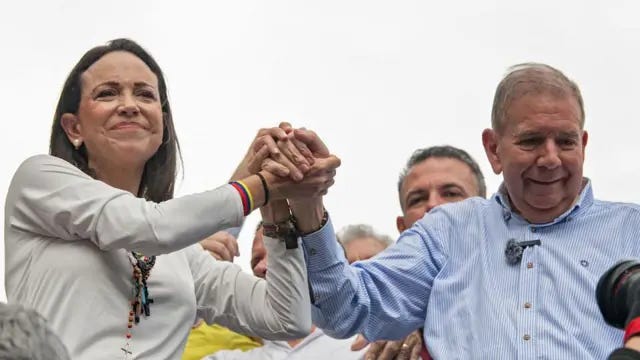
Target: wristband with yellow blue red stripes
245 195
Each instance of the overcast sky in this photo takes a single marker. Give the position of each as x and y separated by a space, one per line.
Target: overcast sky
376 79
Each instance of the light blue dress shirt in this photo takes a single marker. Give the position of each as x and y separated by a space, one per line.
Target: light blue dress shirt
449 274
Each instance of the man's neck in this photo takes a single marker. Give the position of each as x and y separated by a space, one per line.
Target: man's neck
542 218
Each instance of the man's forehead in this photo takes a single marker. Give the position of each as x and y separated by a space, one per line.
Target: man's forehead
437 167
546 131
438 171
539 111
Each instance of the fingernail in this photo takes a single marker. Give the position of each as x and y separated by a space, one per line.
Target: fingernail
304 167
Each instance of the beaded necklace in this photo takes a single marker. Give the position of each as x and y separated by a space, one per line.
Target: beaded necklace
140 302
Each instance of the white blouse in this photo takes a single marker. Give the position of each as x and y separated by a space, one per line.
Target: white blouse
66 242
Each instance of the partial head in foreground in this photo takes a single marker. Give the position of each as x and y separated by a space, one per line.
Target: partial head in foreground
24 335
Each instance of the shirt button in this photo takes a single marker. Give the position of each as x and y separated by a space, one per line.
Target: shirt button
529 265
312 251
526 337
533 229
527 305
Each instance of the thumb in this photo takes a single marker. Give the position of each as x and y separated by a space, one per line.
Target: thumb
359 343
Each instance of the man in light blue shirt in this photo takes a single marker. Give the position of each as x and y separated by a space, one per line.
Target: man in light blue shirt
449 272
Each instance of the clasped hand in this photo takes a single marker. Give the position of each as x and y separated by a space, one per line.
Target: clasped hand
295 163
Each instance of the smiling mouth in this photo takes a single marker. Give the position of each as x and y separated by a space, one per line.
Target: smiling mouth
127 125
537 182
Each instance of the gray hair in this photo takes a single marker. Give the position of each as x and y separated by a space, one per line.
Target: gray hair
25 335
443 151
358 231
527 78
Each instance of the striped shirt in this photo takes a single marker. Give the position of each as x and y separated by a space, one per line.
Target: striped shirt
449 274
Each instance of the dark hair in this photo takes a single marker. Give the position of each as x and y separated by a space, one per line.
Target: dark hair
444 151
158 178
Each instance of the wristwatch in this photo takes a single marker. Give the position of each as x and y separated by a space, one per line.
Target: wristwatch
283 230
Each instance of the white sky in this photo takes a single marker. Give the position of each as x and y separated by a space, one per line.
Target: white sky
376 79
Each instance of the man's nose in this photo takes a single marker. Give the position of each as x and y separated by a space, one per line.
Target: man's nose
549 156
434 200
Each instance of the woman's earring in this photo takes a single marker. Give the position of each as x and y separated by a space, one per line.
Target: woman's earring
77 143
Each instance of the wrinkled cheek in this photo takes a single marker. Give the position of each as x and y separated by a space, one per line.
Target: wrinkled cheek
514 181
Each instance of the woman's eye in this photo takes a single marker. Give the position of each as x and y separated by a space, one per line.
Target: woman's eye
106 93
147 94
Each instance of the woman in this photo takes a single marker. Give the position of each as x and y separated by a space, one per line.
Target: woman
83 225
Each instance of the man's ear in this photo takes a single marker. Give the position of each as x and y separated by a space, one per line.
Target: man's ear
400 224
72 127
585 140
490 143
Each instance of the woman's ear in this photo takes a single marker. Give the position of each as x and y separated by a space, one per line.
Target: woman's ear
72 127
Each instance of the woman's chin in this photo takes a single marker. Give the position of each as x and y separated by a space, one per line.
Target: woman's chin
133 154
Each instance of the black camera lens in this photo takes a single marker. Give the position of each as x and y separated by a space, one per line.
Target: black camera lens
612 291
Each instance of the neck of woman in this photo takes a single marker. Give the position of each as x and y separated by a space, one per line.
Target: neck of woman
120 176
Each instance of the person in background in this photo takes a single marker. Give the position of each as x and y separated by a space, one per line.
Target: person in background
362 241
205 339
432 176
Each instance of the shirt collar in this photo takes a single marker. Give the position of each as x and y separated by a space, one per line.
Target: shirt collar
584 200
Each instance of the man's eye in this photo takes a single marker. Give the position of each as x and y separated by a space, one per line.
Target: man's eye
414 201
451 194
567 143
528 143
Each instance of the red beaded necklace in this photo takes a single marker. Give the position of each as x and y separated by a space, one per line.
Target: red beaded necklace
140 302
